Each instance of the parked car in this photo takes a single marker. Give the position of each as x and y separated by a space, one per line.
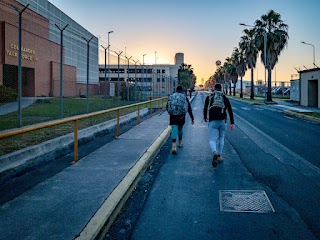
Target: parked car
287 92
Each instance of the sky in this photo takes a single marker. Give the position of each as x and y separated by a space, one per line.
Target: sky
204 30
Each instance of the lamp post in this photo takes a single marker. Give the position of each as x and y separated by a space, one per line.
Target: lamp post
109 59
314 55
135 80
87 99
61 60
142 74
128 77
118 92
105 76
19 63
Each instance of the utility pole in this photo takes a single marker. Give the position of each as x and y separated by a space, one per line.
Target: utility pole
87 100
128 78
105 76
19 64
61 76
109 59
118 76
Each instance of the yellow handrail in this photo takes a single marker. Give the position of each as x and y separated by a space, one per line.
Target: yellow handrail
76 119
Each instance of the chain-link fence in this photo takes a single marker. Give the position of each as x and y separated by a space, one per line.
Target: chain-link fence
64 69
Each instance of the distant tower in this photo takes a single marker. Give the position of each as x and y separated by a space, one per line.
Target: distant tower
179 59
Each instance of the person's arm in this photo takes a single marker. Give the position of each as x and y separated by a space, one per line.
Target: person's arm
230 112
190 111
205 109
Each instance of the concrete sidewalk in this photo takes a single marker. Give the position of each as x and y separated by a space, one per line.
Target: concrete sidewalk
78 201
13 106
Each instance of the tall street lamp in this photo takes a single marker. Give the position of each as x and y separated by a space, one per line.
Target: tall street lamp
61 60
142 79
118 92
20 63
135 80
314 58
109 60
88 44
128 78
105 76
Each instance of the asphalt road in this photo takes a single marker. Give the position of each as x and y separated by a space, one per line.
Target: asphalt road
184 200
300 136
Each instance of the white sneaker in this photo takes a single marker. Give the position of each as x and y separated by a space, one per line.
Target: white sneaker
174 148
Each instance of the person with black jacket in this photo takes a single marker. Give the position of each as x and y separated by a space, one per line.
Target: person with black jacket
217 104
177 121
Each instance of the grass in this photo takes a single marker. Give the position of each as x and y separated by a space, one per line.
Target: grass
246 98
44 111
312 114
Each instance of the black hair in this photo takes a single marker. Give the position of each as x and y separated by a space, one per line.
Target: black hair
179 88
217 86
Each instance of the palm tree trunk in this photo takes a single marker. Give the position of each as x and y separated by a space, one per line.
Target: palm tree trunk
269 95
234 89
252 85
241 93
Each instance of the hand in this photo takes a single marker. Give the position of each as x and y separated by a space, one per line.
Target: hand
205 119
192 121
232 126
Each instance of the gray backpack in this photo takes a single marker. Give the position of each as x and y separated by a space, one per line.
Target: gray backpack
177 104
217 100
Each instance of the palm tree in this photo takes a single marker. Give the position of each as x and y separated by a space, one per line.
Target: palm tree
248 46
186 77
230 72
276 38
241 66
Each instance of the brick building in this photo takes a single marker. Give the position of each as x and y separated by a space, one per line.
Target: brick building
41 52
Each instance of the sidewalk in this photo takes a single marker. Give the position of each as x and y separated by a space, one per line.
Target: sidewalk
13 106
78 200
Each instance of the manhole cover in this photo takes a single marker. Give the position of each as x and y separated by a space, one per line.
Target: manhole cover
245 201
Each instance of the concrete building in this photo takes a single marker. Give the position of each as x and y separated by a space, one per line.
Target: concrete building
41 51
309 87
150 80
294 90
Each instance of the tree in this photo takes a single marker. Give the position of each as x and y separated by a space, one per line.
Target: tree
186 77
277 38
241 66
248 46
230 71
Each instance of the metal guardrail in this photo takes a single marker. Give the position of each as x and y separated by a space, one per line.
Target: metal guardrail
76 119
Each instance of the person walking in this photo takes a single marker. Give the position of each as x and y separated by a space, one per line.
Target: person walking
217 105
177 106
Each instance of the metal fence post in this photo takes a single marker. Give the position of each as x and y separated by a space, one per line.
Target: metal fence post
75 146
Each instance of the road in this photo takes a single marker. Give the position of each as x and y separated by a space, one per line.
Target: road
299 136
267 151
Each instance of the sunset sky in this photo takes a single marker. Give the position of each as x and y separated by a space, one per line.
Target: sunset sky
204 30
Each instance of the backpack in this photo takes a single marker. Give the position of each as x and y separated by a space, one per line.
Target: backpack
217 100
177 104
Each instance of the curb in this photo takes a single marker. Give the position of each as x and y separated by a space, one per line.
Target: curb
21 161
301 116
106 214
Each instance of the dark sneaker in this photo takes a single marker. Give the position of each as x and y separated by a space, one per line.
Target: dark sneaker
219 159
215 160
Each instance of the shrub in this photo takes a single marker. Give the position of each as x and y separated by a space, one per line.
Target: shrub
7 94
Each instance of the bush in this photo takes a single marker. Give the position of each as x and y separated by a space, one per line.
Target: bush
7 94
